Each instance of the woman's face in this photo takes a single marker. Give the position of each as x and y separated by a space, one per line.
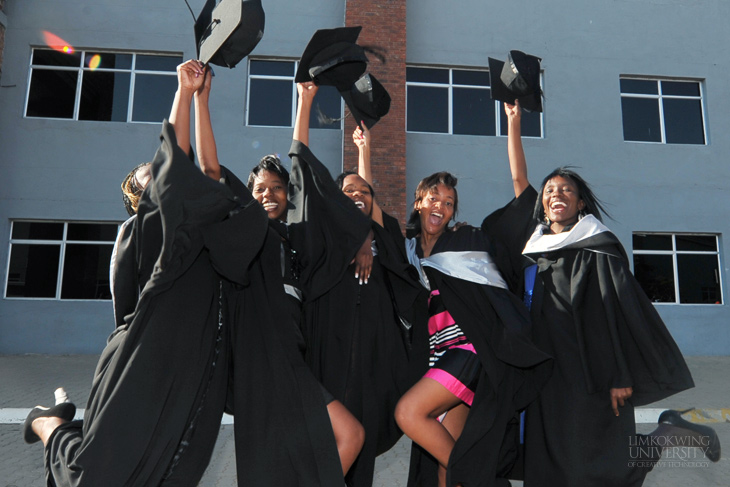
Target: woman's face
561 201
269 190
357 189
436 209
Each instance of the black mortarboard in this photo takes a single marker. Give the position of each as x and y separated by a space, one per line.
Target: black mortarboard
228 32
332 58
517 79
367 100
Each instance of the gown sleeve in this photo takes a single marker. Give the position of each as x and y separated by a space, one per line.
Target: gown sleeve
509 228
645 351
325 226
123 278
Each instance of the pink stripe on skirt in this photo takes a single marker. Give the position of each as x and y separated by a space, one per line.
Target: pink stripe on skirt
452 384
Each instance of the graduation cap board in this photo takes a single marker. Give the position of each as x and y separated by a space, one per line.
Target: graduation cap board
367 100
517 79
333 58
228 32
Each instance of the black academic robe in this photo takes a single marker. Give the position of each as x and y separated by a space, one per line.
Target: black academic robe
283 432
361 351
354 345
513 370
160 385
591 314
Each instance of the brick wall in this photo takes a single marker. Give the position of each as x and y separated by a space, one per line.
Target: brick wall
384 26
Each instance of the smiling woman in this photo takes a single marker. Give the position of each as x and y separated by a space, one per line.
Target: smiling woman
611 348
358 337
268 182
483 367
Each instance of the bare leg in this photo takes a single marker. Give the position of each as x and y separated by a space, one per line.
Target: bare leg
454 422
44 427
349 434
417 415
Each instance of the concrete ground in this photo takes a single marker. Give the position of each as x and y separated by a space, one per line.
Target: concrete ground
27 380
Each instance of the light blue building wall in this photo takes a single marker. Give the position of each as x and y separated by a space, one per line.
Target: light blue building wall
71 170
585 47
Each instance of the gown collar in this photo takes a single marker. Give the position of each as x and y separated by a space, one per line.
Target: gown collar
541 241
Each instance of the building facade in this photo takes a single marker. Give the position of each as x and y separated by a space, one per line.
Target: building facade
636 98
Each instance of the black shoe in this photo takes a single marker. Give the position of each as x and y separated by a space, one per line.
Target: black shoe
65 410
674 418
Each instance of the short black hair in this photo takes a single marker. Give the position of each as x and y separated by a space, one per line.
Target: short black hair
270 163
340 181
424 187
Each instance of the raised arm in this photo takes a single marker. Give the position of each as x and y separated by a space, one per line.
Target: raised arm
361 137
517 161
204 138
307 92
189 79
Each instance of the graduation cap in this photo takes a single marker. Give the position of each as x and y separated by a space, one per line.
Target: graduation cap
367 100
228 32
517 79
332 58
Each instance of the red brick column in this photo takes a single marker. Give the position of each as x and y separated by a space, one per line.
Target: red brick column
384 26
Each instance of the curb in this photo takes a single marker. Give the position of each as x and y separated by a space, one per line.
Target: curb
642 415
18 415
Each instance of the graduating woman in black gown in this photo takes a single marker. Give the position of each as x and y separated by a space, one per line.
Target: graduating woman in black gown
198 254
357 344
612 351
483 366
316 235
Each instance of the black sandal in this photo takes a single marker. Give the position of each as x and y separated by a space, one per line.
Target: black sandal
674 418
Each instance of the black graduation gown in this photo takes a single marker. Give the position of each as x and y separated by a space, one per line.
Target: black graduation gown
359 349
513 370
160 385
283 433
590 313
353 343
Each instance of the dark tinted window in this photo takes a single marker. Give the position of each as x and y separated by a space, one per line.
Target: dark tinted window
428 109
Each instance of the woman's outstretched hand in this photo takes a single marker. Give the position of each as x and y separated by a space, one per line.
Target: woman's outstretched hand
190 76
513 112
361 137
307 91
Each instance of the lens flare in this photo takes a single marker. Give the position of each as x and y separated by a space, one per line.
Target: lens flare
56 43
94 62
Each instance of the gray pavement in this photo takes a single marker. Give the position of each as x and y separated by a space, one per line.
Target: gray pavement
28 380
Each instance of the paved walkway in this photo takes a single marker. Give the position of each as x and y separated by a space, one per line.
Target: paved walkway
27 380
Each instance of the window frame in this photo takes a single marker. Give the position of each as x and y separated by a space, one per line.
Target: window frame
674 252
450 90
81 69
62 255
295 94
659 96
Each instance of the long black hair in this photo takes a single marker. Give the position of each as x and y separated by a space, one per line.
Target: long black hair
593 206
427 185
